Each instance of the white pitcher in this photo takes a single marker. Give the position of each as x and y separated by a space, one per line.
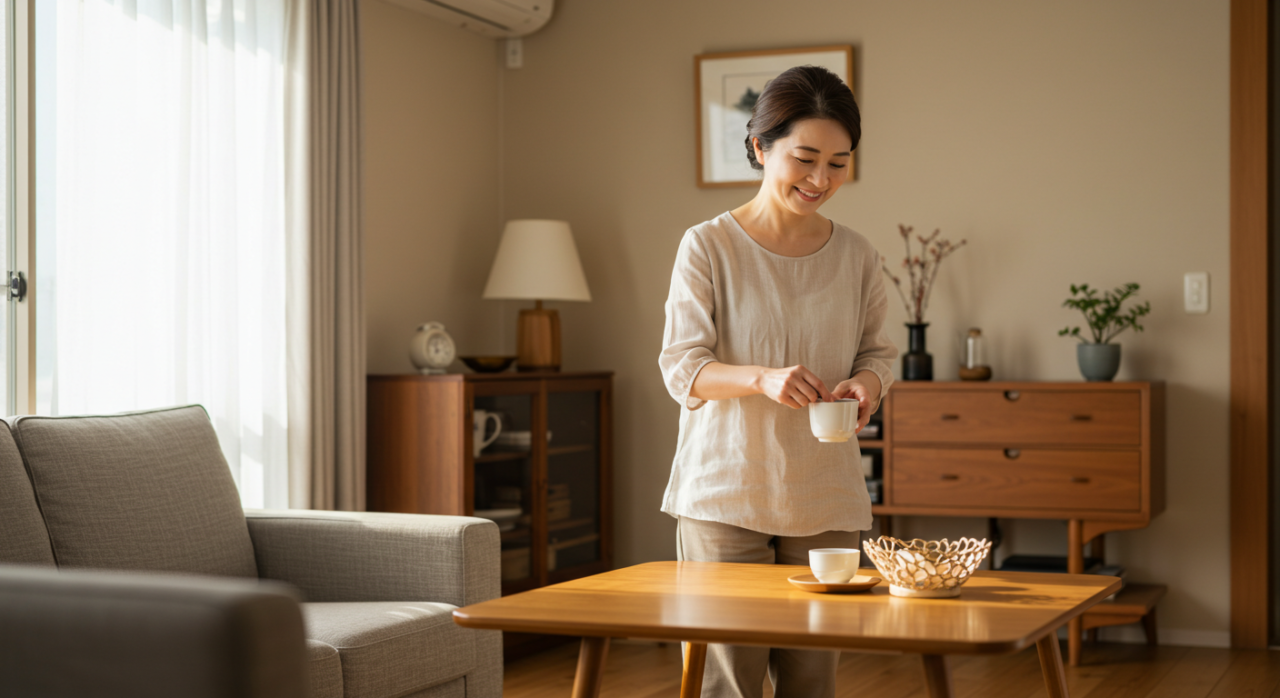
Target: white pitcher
480 421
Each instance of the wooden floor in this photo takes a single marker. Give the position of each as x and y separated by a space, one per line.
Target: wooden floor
637 670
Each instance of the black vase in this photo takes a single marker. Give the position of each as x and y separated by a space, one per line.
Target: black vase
917 364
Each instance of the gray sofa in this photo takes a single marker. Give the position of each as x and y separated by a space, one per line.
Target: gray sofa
171 597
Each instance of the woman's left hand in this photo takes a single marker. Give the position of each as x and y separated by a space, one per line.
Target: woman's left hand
865 386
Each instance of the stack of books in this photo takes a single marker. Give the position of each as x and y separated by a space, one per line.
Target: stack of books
559 506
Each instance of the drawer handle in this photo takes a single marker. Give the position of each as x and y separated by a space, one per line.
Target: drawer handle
1012 395
950 477
1080 480
1081 417
950 417
1012 453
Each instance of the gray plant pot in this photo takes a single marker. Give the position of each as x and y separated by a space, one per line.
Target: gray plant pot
1098 362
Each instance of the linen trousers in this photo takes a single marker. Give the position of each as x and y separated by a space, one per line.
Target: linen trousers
734 671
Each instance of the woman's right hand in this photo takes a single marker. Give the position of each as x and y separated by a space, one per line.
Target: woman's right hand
794 386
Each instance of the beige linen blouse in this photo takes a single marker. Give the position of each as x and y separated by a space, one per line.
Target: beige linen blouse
751 462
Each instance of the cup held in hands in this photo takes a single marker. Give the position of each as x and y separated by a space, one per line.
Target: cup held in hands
834 422
834 565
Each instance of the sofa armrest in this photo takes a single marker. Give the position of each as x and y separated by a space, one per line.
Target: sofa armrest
144 635
350 556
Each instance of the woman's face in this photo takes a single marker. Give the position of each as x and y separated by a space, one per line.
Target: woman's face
804 169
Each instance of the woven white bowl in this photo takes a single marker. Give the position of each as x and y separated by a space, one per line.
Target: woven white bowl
930 569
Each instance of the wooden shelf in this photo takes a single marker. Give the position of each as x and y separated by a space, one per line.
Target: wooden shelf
569 523
1133 599
581 540
515 533
500 456
870 443
564 450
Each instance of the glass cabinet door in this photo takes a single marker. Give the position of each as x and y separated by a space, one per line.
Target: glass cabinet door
573 481
502 429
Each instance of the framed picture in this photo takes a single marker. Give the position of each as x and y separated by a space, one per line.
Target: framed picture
726 86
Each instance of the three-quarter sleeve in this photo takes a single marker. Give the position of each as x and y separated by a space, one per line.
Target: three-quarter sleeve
689 340
875 352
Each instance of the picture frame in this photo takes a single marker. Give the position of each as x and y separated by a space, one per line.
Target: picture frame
724 87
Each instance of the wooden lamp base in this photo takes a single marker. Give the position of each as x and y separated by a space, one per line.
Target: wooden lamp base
538 340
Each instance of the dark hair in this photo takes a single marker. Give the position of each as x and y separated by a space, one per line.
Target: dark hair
803 92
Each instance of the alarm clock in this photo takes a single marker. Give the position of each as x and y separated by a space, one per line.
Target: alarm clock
432 350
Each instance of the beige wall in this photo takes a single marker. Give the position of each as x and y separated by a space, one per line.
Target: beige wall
1069 142
431 190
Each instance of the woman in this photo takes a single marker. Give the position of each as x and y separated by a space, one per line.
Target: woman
774 307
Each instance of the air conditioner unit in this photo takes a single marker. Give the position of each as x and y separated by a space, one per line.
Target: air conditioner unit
496 19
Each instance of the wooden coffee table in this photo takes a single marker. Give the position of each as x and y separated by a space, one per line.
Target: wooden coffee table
701 602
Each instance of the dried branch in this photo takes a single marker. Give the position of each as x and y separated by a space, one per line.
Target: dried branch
922 268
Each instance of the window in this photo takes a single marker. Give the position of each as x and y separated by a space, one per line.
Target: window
160 260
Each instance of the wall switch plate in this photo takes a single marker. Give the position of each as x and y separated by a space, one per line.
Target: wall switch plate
515 53
1195 291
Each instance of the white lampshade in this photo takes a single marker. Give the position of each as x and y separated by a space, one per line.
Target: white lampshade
537 260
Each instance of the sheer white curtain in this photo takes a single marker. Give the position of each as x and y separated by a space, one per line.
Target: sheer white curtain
167 282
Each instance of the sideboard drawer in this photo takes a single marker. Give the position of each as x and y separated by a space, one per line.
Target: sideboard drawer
998 417
989 478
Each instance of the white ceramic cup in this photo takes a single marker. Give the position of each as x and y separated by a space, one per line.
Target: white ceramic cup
480 422
834 565
834 422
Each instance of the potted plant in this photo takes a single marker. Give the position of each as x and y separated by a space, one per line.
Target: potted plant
922 271
1099 359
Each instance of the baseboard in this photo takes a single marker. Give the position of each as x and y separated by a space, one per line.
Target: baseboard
1168 636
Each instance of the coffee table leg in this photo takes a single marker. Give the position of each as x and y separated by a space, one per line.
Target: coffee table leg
1055 677
937 676
590 667
695 662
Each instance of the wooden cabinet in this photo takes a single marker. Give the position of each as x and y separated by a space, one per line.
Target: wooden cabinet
1089 453
547 476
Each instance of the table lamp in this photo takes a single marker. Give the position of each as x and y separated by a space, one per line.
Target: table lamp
537 261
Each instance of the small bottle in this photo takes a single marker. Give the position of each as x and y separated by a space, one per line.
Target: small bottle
973 348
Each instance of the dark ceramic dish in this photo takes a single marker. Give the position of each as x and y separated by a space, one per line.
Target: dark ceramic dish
488 364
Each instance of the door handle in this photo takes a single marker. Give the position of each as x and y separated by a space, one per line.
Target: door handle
950 477
950 417
1080 480
1012 453
1081 417
1012 395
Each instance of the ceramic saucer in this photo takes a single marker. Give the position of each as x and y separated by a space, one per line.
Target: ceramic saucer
808 582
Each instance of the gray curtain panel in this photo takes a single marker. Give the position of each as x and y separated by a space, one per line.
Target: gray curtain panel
325 297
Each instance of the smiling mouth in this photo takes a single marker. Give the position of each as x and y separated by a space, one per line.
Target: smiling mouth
808 195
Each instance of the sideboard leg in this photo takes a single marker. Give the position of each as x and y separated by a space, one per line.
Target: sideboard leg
695 661
1055 677
590 676
1149 627
937 676
1075 565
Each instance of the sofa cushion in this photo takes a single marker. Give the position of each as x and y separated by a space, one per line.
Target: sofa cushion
324 670
23 537
389 649
141 491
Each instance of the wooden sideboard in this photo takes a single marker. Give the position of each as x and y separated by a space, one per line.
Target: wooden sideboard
422 459
1089 453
